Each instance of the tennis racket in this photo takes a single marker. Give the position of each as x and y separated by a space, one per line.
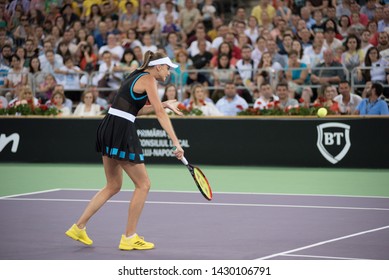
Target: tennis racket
199 178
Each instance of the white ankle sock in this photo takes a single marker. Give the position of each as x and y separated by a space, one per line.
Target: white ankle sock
131 236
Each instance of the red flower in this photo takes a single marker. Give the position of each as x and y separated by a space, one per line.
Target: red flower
301 100
317 105
240 107
259 102
181 107
43 107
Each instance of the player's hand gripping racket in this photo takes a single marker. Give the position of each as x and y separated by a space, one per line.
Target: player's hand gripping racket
199 178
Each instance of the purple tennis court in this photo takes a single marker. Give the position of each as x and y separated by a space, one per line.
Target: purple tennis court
185 226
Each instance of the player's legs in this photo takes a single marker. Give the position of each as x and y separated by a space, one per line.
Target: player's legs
138 174
114 175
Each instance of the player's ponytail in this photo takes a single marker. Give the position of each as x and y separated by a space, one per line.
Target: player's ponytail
149 56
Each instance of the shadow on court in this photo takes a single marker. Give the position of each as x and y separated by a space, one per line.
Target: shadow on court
185 226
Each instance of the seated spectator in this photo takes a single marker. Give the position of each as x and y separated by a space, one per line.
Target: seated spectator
379 68
325 98
202 60
266 97
347 101
182 58
296 73
51 64
231 104
88 59
131 40
285 102
46 88
25 96
246 67
224 48
198 101
69 75
87 106
197 77
148 43
36 76
68 102
330 41
17 76
128 63
107 77
268 70
147 20
113 47
223 72
329 71
170 93
372 104
57 100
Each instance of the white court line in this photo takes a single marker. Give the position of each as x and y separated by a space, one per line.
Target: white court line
321 257
244 193
30 193
203 203
323 242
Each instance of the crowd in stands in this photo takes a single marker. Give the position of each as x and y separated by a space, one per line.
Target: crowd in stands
285 53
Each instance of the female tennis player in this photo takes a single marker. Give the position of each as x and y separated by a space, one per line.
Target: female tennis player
118 142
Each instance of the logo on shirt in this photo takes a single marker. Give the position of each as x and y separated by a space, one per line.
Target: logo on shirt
4 140
333 141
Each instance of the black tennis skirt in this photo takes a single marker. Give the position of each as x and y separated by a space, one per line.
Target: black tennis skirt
117 138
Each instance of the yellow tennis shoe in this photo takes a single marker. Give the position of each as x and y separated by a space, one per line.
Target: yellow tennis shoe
79 235
134 243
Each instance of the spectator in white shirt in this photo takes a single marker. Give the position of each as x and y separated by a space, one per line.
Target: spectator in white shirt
231 104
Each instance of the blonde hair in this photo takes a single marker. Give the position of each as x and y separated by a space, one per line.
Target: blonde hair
150 56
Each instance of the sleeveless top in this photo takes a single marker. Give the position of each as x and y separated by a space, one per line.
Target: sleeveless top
127 99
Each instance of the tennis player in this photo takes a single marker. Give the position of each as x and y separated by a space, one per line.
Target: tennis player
118 142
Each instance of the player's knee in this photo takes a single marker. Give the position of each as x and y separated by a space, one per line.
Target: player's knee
144 186
114 187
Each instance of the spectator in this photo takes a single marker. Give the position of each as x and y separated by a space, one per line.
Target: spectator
6 53
200 37
252 30
231 104
202 60
148 43
330 42
101 38
260 48
51 65
356 26
383 41
197 77
314 54
17 76
355 8
69 15
384 23
87 106
189 16
69 75
172 44
296 72
113 47
130 15
266 97
372 104
223 72
344 26
46 88
48 46
378 68
25 96
107 77
283 10
57 100
169 10
353 55
329 71
36 76
263 6
285 101
128 63
224 48
365 44
198 101
268 70
325 98
247 67
88 59
369 9
147 20
180 75
131 41
272 48
347 101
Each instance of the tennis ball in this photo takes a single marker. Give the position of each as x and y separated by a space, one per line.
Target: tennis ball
322 112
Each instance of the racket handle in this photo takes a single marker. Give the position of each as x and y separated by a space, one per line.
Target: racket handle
183 160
